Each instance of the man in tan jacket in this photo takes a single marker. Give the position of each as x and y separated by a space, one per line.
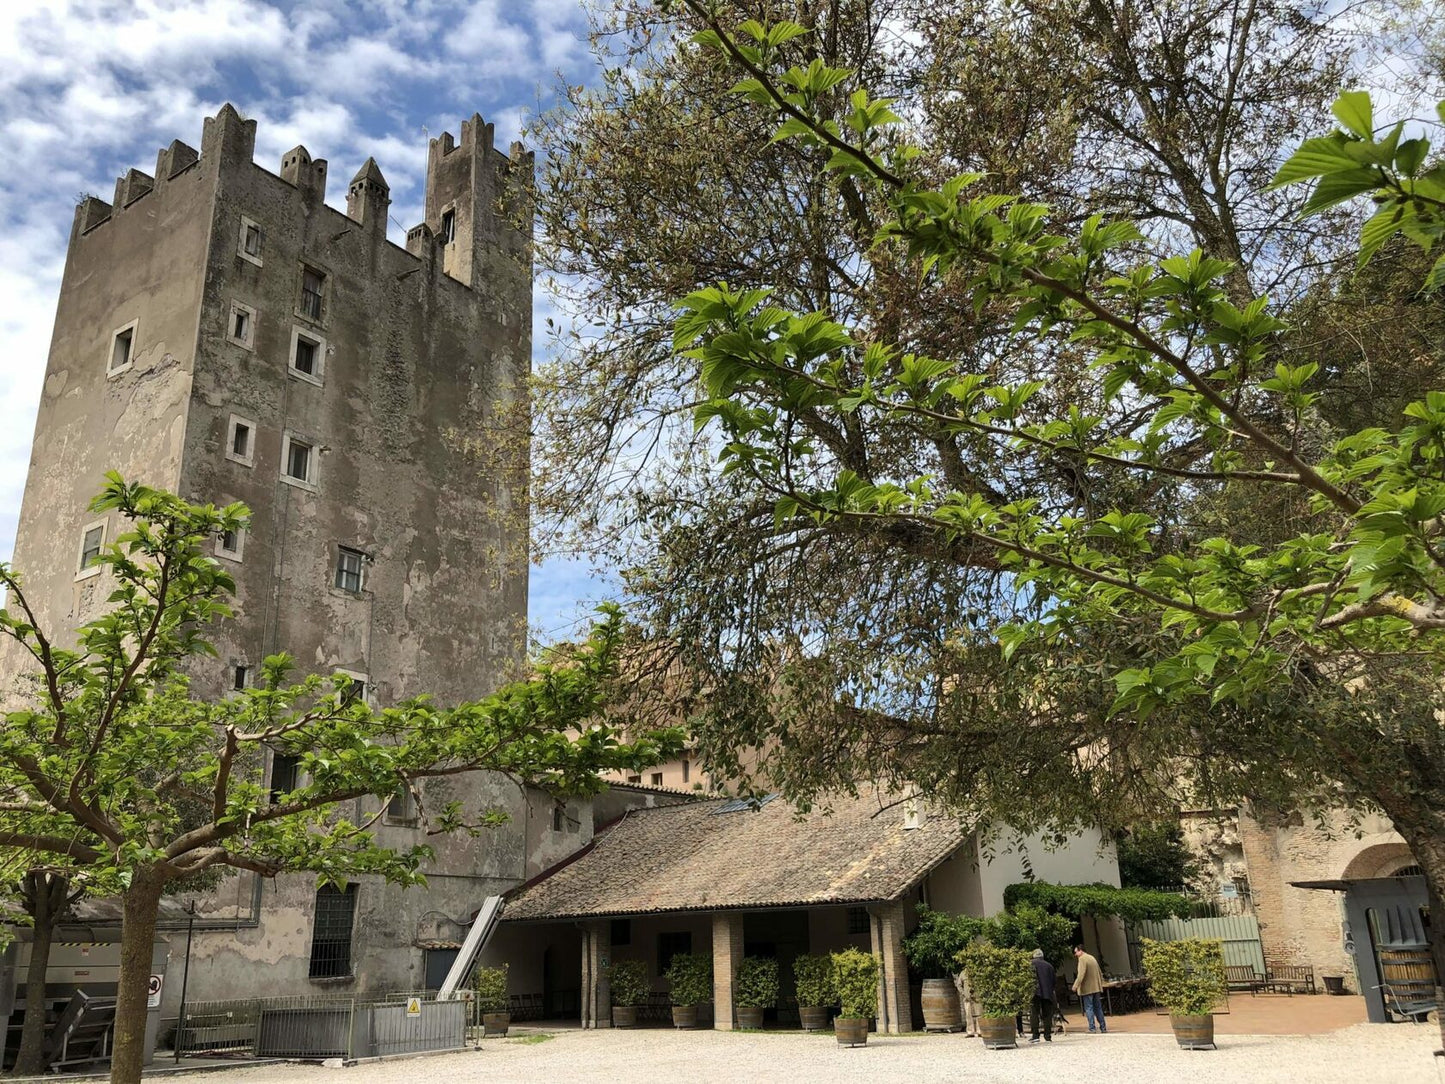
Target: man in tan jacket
1089 985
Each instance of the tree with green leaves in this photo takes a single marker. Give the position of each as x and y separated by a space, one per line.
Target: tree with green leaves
659 182
113 767
1305 670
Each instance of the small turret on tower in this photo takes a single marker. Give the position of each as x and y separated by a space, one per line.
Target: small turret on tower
298 168
368 196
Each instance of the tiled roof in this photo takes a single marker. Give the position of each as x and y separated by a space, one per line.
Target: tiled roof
694 857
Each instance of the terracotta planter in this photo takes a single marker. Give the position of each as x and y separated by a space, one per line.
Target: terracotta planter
1193 1032
684 1016
851 1032
624 1016
998 1032
750 1017
940 1005
813 1017
496 1023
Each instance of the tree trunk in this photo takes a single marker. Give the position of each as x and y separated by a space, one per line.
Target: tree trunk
45 896
140 906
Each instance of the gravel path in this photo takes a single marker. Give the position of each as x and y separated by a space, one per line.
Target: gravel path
1396 1054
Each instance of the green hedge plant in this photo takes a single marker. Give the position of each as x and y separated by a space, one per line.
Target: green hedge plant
628 982
1186 977
855 978
1002 978
934 946
757 983
689 978
491 986
813 980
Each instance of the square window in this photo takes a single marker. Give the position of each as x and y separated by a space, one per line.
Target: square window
285 775
858 920
239 673
122 350
313 286
657 779
401 809
298 462
92 539
634 779
621 932
241 325
229 544
449 227
241 440
349 569
248 245
308 356
355 691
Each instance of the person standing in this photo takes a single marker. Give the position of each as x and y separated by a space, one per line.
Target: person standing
1043 997
1089 985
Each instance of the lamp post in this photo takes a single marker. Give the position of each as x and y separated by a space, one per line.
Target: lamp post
185 977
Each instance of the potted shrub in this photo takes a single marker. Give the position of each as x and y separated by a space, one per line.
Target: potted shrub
755 989
933 950
689 978
628 982
1003 981
1187 978
491 986
813 980
855 979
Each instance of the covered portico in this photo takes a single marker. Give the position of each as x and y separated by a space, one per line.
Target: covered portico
730 879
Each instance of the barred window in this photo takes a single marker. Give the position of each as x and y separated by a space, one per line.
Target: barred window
331 934
858 920
312 284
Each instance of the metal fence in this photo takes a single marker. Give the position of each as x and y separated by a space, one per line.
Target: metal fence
1240 934
325 1026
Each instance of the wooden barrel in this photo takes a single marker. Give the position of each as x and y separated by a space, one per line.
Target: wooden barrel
1408 967
1193 1032
684 1016
940 1005
749 1017
851 1032
495 1023
813 1017
624 1016
998 1032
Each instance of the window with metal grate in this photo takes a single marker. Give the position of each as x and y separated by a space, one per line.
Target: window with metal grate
331 934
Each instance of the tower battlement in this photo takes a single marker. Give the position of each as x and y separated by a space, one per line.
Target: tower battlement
478 198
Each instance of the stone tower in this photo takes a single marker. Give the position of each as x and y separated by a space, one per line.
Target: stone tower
223 333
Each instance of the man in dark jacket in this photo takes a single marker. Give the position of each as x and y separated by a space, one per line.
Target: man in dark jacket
1043 997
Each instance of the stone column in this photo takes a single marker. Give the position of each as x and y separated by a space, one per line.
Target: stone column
596 954
727 954
895 1015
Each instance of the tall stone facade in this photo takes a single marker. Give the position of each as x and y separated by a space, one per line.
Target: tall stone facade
223 333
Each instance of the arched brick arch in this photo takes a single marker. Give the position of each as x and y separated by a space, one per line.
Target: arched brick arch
1378 860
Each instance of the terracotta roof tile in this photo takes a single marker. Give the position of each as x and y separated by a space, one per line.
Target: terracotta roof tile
692 857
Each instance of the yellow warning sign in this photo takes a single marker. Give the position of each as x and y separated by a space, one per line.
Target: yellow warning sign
413 1006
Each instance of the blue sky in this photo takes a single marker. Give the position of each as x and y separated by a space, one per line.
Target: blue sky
91 88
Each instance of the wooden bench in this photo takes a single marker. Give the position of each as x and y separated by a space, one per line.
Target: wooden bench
1243 977
1291 977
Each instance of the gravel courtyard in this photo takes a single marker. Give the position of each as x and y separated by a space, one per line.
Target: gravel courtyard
1361 1053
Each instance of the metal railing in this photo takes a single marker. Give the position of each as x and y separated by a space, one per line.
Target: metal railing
318 1027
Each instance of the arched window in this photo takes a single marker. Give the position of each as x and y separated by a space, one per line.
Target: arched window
1408 871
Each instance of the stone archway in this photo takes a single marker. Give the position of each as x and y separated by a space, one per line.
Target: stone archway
1378 860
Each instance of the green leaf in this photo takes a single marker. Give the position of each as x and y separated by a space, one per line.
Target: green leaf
1352 109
